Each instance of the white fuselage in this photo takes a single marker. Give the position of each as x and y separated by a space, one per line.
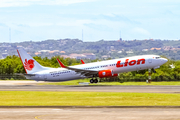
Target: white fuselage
124 65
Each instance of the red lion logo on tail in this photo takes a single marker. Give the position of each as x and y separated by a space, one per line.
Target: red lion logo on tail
29 65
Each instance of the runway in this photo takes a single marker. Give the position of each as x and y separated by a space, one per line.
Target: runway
90 114
75 113
93 88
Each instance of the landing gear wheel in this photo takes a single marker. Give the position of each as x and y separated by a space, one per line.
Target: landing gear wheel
153 70
91 81
96 81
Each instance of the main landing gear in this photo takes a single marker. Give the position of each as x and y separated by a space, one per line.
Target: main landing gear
94 80
153 70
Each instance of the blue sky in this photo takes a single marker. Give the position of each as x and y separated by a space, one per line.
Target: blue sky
38 20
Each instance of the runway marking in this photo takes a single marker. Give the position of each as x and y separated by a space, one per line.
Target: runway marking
37 117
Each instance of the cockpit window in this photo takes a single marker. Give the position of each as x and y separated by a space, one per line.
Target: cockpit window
157 57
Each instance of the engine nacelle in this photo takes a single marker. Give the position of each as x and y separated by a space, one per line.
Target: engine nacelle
106 73
115 75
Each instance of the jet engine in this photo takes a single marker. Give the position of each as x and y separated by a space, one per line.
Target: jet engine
106 73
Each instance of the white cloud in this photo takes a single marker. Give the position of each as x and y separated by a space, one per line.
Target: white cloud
17 3
100 19
63 2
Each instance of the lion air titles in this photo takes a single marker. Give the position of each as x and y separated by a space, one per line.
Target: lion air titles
130 63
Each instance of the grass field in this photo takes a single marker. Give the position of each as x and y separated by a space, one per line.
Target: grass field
76 82
34 98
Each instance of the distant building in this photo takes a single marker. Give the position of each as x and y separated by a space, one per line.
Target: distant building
44 51
155 48
167 48
77 56
65 56
19 46
129 52
119 51
56 51
37 53
144 49
62 52
51 52
5 45
158 48
90 56
81 56
105 56
112 47
4 55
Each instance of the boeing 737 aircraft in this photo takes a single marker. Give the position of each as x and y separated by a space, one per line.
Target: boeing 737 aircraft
103 69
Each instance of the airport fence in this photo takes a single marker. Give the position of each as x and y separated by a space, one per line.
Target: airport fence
113 79
157 79
117 79
11 77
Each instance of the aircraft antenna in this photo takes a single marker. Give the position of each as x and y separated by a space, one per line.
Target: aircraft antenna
82 34
120 35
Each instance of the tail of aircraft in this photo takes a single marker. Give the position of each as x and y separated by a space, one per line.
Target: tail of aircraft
30 65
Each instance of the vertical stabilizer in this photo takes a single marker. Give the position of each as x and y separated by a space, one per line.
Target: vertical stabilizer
30 65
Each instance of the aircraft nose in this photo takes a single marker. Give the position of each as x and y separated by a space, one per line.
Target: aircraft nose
164 60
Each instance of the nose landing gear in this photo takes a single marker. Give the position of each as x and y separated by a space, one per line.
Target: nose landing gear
94 80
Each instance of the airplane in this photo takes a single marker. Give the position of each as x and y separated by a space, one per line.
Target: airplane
102 69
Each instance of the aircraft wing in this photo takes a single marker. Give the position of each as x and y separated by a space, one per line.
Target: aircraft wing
81 71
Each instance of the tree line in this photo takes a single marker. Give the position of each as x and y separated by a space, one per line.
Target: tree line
12 64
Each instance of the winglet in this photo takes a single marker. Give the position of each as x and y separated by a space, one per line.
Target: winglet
61 64
82 62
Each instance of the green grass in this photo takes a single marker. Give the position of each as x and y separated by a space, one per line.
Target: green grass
76 82
34 98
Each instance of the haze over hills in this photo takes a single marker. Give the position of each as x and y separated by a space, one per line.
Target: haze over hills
75 48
